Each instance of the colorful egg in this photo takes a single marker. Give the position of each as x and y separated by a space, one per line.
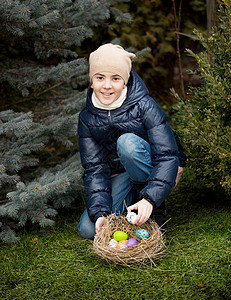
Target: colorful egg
113 243
131 242
120 235
131 217
142 234
122 244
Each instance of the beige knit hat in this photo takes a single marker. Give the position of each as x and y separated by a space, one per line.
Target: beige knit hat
111 58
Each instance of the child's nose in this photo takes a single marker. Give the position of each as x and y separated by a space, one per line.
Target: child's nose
107 83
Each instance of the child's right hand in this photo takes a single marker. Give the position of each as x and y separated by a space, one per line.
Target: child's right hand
144 208
99 223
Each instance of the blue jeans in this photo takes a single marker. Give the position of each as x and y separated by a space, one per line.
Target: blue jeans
135 155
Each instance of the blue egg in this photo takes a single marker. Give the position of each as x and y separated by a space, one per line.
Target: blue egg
142 234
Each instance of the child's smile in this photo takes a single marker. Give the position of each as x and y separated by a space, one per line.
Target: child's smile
107 87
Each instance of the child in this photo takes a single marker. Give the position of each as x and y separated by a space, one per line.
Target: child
125 143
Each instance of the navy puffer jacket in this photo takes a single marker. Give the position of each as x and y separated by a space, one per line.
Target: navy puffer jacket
98 133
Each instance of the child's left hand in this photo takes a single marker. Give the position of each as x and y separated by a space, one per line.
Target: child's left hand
144 208
179 174
99 223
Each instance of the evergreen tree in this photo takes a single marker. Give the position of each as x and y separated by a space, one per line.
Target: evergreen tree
204 118
43 88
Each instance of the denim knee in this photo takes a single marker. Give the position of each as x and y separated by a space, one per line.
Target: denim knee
85 227
126 145
86 232
135 156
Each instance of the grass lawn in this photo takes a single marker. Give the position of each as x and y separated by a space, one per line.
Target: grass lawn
55 263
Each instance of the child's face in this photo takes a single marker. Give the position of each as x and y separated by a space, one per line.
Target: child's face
107 87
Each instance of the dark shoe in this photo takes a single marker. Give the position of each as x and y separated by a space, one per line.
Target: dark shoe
160 217
138 186
159 213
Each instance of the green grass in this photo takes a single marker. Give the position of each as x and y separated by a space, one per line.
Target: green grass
56 263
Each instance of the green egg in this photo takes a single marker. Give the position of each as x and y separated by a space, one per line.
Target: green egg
120 235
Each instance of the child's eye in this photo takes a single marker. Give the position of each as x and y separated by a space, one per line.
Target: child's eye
116 78
100 78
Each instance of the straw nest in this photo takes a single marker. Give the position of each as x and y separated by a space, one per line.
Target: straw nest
146 249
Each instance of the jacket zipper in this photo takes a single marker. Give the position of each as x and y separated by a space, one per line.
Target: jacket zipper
109 117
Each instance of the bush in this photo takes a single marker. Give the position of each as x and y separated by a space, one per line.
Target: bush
153 27
203 119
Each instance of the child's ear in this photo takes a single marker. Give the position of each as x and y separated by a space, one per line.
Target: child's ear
124 86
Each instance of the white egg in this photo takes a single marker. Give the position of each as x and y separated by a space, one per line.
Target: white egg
131 217
113 243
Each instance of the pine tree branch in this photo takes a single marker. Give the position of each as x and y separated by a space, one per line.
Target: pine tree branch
52 87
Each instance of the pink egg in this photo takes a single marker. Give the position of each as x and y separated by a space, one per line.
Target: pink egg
131 242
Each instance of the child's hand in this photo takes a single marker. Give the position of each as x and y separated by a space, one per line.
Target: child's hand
99 223
178 177
144 208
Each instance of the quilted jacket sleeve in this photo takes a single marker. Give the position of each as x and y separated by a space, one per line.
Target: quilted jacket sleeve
164 154
181 150
96 175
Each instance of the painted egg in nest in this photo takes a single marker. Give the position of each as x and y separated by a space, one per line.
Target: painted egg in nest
122 244
142 233
113 243
131 242
120 235
131 217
